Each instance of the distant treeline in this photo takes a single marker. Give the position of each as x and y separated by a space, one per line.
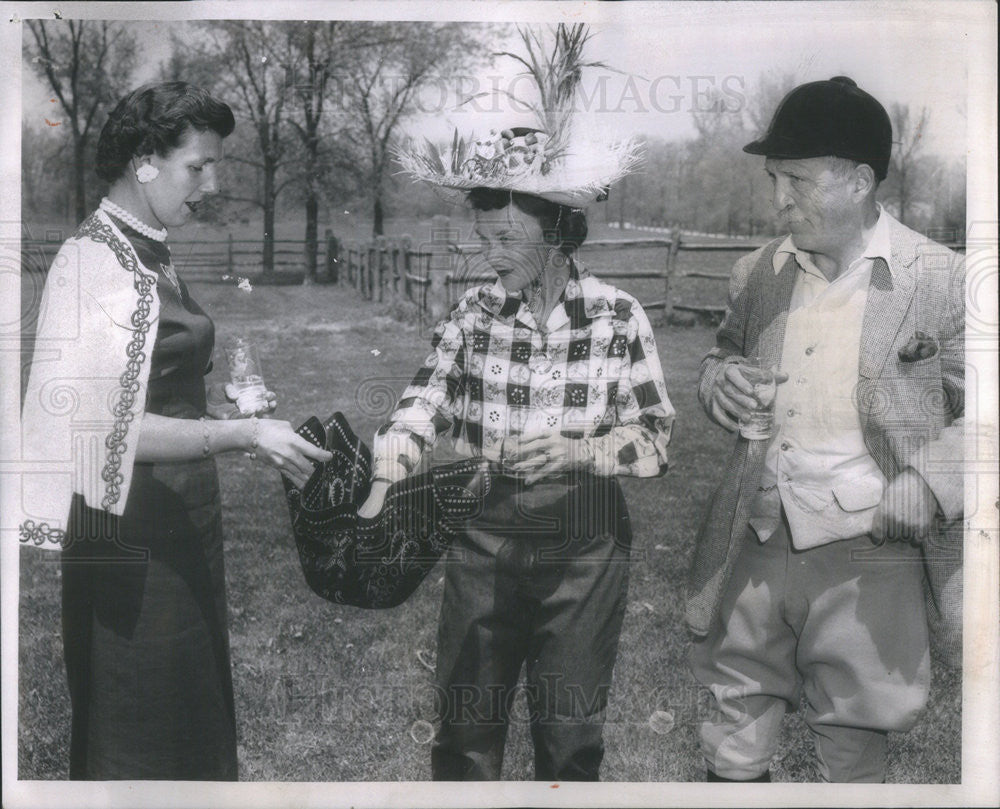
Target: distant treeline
320 106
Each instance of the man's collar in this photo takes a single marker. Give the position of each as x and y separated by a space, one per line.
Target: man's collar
878 246
785 249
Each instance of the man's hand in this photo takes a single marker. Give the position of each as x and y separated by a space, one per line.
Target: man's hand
907 510
732 395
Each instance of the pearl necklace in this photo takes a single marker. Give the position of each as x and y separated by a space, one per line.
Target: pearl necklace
156 234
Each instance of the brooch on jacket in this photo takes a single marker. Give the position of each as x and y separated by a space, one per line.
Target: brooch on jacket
920 346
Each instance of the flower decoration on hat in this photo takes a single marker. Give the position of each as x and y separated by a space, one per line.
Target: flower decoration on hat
552 159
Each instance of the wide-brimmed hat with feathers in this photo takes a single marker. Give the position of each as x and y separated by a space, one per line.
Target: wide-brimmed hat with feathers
553 159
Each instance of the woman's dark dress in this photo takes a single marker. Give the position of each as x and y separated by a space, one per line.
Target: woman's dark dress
144 607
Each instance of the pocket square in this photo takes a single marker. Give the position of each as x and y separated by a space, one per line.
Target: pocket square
920 346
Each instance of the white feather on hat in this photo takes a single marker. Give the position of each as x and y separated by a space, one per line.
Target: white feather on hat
554 159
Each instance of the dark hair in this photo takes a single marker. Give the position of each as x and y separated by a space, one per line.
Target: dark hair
561 224
153 119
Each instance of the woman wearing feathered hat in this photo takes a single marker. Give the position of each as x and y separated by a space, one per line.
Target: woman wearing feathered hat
552 376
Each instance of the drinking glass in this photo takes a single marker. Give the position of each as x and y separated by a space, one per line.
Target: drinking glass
758 422
246 376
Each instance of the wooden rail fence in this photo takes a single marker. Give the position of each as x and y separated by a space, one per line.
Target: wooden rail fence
432 274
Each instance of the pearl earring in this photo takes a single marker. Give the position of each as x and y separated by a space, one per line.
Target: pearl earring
146 173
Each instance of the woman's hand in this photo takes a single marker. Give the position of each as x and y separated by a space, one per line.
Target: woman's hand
543 456
278 445
221 403
376 499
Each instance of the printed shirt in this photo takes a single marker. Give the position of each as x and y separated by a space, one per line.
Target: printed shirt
817 462
493 375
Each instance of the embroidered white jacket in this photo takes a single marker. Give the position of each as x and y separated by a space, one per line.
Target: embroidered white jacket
83 407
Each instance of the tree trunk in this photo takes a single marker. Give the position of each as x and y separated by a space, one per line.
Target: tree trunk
312 236
378 215
312 198
79 177
268 257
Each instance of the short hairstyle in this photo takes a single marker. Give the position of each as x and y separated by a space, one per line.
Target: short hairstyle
841 166
561 224
153 119
844 166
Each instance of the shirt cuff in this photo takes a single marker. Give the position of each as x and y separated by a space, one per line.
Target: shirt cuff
605 456
944 476
388 470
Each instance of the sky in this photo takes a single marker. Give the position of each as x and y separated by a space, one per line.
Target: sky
673 55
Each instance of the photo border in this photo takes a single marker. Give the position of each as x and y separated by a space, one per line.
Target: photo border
981 696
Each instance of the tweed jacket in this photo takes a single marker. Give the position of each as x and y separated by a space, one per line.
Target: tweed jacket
912 413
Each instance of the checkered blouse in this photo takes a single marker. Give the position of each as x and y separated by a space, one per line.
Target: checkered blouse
492 375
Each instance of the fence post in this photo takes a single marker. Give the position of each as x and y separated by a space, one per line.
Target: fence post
363 269
370 256
229 258
440 266
671 266
378 271
332 263
365 274
406 245
394 268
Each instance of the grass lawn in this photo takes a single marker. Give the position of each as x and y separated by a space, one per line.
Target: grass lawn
327 693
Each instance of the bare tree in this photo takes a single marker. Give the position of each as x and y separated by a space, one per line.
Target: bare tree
245 61
319 57
312 95
907 183
724 185
88 65
45 164
763 100
382 83
723 189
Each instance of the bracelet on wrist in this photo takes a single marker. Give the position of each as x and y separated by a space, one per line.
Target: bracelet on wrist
254 437
206 448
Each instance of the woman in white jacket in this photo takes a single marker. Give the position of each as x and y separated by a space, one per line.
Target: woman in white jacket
120 435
